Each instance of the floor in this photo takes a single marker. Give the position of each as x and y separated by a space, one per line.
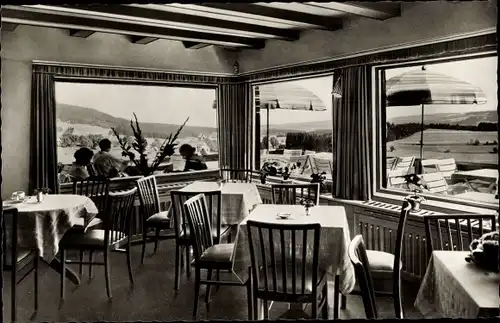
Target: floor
152 297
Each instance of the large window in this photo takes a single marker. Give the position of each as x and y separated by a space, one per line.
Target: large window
86 112
294 120
441 124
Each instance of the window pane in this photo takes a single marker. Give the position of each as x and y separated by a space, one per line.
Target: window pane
296 124
86 112
458 153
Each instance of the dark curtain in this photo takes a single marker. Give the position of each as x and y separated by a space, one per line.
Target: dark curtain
352 134
235 126
43 148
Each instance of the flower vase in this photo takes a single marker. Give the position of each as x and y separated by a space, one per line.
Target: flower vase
307 211
39 196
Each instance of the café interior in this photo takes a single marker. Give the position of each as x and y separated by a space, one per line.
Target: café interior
251 209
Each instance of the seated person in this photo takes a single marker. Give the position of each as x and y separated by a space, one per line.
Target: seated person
78 169
105 164
193 160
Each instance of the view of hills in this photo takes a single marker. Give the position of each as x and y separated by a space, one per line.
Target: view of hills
463 119
72 114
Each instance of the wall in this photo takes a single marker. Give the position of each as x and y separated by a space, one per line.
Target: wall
27 43
418 21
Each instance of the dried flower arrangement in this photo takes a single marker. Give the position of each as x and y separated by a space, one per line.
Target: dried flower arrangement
140 144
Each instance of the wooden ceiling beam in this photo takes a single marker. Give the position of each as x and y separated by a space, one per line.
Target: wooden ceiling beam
142 40
323 22
194 45
34 17
9 26
378 10
200 21
80 33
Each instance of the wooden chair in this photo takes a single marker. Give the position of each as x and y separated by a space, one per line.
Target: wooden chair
384 266
181 227
447 167
304 162
97 189
20 261
322 165
152 215
207 254
405 164
292 193
454 225
359 258
236 175
435 183
115 234
390 163
395 179
285 268
430 165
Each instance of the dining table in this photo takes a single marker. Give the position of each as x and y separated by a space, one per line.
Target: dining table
455 288
42 224
334 242
238 199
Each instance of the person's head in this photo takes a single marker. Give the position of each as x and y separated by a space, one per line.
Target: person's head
83 156
187 150
105 145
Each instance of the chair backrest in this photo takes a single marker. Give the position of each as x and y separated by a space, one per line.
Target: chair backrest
435 182
309 152
292 193
430 165
9 230
322 165
292 152
97 189
395 179
289 252
213 201
390 163
236 175
405 164
447 167
449 230
198 218
119 215
148 196
359 259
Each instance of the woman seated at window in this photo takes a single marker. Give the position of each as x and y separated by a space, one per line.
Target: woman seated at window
78 169
193 160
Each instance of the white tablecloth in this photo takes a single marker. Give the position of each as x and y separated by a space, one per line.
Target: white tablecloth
454 288
238 199
42 225
334 240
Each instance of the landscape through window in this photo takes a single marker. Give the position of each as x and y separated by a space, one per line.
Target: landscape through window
458 156
86 112
296 125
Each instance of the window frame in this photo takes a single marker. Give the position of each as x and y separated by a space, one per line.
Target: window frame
380 148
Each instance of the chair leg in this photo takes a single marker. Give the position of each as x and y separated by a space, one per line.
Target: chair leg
196 292
324 310
188 260
343 303
177 266
81 265
207 294
336 298
91 259
63 274
266 310
106 273
157 239
129 264
144 237
36 264
398 306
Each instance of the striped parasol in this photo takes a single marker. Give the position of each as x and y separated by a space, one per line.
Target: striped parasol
289 96
424 87
421 87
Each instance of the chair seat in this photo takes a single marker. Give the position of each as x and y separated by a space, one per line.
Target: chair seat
80 223
381 261
159 218
91 239
308 284
218 256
